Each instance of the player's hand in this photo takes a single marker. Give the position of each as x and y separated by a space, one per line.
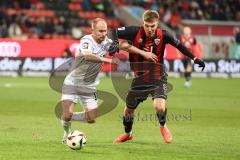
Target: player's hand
114 47
200 63
150 56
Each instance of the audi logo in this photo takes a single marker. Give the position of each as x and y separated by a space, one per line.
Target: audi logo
10 49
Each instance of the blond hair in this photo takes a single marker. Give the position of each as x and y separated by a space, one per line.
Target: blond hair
96 20
150 16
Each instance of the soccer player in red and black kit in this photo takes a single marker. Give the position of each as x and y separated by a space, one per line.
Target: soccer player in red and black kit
188 40
150 77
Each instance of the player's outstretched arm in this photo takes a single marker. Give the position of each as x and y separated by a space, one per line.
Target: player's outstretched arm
93 58
124 45
186 52
199 62
127 33
87 54
176 43
110 60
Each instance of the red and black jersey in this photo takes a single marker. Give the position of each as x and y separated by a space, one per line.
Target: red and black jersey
136 36
149 44
188 42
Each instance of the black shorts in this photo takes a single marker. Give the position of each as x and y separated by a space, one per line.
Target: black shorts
139 93
186 62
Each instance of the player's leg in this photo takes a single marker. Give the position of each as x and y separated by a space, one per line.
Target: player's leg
160 106
128 117
161 111
132 101
187 73
159 95
68 103
89 114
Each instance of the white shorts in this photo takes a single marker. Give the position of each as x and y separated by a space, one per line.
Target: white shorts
89 102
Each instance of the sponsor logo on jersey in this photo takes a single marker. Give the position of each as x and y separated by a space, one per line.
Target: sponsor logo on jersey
85 45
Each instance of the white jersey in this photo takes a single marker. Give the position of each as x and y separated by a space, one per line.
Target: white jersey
86 72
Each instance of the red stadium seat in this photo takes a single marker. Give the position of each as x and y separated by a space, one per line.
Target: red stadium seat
85 15
49 13
74 7
55 36
47 36
78 7
11 11
40 5
71 6
68 36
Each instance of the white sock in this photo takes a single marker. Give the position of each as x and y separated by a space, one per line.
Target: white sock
79 116
66 126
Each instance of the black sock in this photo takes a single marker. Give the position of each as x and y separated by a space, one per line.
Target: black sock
162 116
187 76
128 122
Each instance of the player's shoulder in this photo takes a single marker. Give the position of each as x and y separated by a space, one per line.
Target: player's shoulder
129 28
87 38
167 34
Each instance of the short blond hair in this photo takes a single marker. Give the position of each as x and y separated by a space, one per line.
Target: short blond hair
150 16
96 20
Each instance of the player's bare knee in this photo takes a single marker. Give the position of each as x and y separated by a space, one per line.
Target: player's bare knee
159 107
159 104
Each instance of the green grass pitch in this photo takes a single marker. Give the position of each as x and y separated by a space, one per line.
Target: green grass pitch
204 121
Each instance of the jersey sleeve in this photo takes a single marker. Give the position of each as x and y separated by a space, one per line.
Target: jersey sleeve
85 45
127 33
168 38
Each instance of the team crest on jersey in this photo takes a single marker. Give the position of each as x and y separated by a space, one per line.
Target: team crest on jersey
140 40
85 45
157 41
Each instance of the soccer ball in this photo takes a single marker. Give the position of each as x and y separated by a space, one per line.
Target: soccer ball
76 140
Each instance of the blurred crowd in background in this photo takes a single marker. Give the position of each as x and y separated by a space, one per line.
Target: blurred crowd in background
60 19
50 18
171 12
70 19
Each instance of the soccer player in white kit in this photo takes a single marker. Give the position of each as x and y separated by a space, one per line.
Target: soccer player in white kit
80 84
